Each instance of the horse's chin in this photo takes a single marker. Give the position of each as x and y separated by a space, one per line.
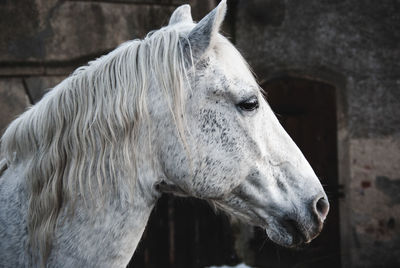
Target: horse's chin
285 239
289 234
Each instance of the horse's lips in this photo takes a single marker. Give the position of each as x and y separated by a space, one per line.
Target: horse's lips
287 233
294 229
284 232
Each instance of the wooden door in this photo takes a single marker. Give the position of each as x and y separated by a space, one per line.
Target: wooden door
185 233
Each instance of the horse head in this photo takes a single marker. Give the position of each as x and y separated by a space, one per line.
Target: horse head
233 151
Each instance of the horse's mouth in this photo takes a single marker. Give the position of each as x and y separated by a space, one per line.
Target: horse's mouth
289 233
298 235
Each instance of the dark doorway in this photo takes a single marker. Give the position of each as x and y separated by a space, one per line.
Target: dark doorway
307 111
185 233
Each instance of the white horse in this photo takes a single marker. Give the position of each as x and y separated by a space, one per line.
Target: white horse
176 112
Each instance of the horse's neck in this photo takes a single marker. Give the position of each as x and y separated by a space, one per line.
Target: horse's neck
110 238
107 240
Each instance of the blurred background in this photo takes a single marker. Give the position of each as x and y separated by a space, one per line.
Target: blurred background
331 72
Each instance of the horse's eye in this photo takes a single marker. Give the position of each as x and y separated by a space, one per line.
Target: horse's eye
249 104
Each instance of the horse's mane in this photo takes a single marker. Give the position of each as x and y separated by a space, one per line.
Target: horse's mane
80 138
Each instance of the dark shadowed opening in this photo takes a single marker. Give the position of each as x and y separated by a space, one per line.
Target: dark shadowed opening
185 233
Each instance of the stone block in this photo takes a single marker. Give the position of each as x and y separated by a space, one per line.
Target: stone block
61 31
374 105
375 202
13 101
37 86
24 29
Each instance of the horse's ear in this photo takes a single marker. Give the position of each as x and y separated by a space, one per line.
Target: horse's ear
203 33
181 14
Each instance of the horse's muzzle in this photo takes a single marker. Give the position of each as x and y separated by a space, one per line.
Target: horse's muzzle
304 230
300 226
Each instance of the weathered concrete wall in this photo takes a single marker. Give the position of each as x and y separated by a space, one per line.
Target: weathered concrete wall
353 45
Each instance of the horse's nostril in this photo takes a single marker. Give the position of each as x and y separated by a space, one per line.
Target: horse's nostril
322 207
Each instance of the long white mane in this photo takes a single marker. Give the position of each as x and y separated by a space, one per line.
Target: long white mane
79 140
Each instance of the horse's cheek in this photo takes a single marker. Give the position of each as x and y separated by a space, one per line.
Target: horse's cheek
218 161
